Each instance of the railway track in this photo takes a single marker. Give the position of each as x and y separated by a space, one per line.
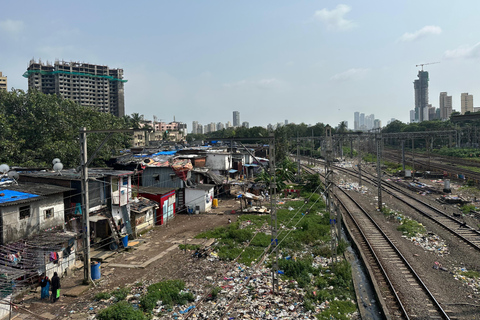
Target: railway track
403 293
464 232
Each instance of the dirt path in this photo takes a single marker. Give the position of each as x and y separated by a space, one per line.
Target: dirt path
156 258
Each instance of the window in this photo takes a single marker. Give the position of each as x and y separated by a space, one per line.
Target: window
48 213
24 212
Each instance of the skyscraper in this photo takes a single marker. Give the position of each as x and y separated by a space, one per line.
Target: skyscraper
236 119
466 102
194 127
356 121
361 122
87 84
445 106
3 82
421 96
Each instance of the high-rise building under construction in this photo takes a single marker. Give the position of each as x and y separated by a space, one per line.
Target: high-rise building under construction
87 84
421 96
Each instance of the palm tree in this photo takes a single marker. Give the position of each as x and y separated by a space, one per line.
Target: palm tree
136 120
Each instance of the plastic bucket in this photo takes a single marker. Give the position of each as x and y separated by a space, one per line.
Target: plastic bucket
125 241
215 203
95 270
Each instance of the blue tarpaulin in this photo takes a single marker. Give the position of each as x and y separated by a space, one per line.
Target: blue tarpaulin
155 154
11 195
232 171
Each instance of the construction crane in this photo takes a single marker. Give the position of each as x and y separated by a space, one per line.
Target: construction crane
426 64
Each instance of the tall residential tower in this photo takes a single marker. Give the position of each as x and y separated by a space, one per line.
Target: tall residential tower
87 84
421 96
445 106
3 82
466 102
236 119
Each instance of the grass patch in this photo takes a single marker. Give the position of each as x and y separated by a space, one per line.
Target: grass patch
410 227
169 292
121 311
474 169
121 293
338 310
189 247
102 296
467 208
471 274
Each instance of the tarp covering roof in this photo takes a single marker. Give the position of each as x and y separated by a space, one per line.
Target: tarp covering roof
12 195
232 171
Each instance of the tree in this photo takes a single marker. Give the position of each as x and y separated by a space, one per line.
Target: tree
36 128
136 120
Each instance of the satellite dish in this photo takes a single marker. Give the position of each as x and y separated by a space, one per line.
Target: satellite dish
4 168
13 175
56 160
58 166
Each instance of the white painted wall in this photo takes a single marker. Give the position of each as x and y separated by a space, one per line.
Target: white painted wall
219 161
199 197
16 228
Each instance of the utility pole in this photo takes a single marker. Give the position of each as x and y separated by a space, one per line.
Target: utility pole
298 160
378 139
85 206
329 191
273 213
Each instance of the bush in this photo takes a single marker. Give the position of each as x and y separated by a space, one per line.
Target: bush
411 227
121 311
121 294
166 291
102 296
338 310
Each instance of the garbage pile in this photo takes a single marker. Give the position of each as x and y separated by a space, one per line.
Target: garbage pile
431 242
255 298
469 278
352 186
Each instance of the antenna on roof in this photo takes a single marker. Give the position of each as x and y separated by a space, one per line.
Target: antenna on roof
5 170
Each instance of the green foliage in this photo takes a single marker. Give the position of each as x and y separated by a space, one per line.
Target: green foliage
369 157
102 296
189 247
342 247
338 310
459 152
467 208
215 292
299 270
411 227
121 293
121 311
35 128
471 274
169 292
312 183
322 251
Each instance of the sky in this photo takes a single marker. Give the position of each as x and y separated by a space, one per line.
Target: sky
272 60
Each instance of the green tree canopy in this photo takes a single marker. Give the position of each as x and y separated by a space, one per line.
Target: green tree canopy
36 128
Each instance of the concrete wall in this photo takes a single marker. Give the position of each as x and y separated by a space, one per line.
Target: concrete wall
199 197
15 228
219 161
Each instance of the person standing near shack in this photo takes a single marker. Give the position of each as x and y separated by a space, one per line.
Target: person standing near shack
45 285
55 287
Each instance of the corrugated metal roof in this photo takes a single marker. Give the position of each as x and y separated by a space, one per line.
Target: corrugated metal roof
155 190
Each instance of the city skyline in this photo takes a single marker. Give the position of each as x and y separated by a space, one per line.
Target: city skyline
308 61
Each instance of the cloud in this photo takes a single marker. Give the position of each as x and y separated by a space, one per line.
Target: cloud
464 52
350 74
425 31
334 19
12 26
268 83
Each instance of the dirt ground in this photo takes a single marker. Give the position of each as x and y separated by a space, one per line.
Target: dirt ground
158 252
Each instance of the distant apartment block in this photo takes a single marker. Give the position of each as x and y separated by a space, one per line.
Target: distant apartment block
3 82
445 106
245 124
87 84
356 121
236 119
466 102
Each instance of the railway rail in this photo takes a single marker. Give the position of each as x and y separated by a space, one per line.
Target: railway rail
402 290
464 232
